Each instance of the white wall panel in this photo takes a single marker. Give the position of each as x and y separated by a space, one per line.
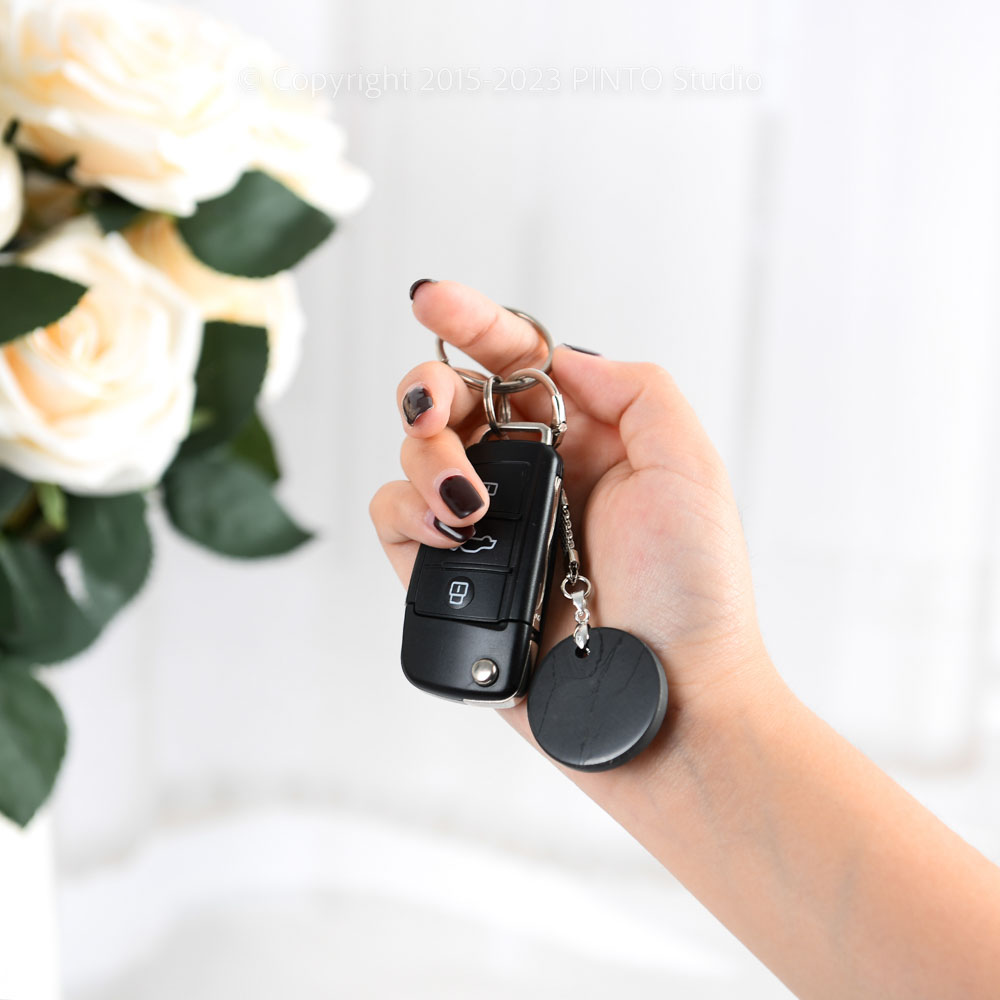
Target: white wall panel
815 262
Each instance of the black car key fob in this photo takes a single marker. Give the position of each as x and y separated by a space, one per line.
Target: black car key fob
474 613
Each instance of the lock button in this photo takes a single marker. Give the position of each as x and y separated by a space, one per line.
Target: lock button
504 481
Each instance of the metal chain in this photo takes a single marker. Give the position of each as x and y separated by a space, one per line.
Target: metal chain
581 634
569 545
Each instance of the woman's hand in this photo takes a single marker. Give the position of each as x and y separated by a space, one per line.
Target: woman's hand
653 512
820 863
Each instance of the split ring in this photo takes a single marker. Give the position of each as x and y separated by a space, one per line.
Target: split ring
489 403
517 382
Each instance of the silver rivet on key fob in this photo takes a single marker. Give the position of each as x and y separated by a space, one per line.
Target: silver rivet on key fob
485 672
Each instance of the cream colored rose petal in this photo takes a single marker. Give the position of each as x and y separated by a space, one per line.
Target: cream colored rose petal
11 193
143 95
100 401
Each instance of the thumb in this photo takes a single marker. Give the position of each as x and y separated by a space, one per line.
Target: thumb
657 425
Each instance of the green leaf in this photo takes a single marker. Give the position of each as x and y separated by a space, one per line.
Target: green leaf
10 662
256 229
110 537
112 212
253 445
52 501
230 372
13 490
200 419
60 170
32 744
32 299
39 620
226 505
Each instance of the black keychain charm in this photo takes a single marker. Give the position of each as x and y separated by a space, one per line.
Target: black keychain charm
598 698
594 711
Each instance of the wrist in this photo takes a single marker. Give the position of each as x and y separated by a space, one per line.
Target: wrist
720 696
724 679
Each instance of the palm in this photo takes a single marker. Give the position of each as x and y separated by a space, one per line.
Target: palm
658 545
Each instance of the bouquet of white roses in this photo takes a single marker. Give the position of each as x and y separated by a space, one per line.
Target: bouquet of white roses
155 188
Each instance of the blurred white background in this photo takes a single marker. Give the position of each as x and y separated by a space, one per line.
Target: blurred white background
256 804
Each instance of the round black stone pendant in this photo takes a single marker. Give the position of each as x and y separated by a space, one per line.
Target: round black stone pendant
595 712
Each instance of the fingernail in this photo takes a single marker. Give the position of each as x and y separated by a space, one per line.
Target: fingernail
460 495
455 534
420 281
583 350
416 401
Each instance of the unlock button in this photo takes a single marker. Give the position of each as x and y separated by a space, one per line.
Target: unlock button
454 594
460 592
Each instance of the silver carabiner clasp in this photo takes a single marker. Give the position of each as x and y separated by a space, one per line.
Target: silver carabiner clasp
551 432
581 634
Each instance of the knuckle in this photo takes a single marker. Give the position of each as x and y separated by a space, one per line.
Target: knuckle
484 331
656 379
377 503
408 452
656 375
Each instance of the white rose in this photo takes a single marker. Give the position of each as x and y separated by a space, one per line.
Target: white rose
143 95
11 193
295 142
269 302
99 401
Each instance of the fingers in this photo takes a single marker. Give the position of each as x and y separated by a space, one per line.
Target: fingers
493 336
403 520
432 396
445 479
655 421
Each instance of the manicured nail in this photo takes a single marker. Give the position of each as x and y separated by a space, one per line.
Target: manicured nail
455 534
460 495
416 401
420 281
583 350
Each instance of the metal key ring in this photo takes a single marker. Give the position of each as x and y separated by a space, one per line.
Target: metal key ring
584 592
489 403
515 384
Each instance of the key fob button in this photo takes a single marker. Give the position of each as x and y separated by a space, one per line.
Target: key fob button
504 481
460 593
452 593
489 546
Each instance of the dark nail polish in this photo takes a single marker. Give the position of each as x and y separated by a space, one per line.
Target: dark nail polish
583 350
416 401
460 496
455 534
420 281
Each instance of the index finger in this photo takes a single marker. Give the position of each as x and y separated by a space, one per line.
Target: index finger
433 396
467 319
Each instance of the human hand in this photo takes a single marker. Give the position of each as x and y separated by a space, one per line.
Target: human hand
824 867
653 511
